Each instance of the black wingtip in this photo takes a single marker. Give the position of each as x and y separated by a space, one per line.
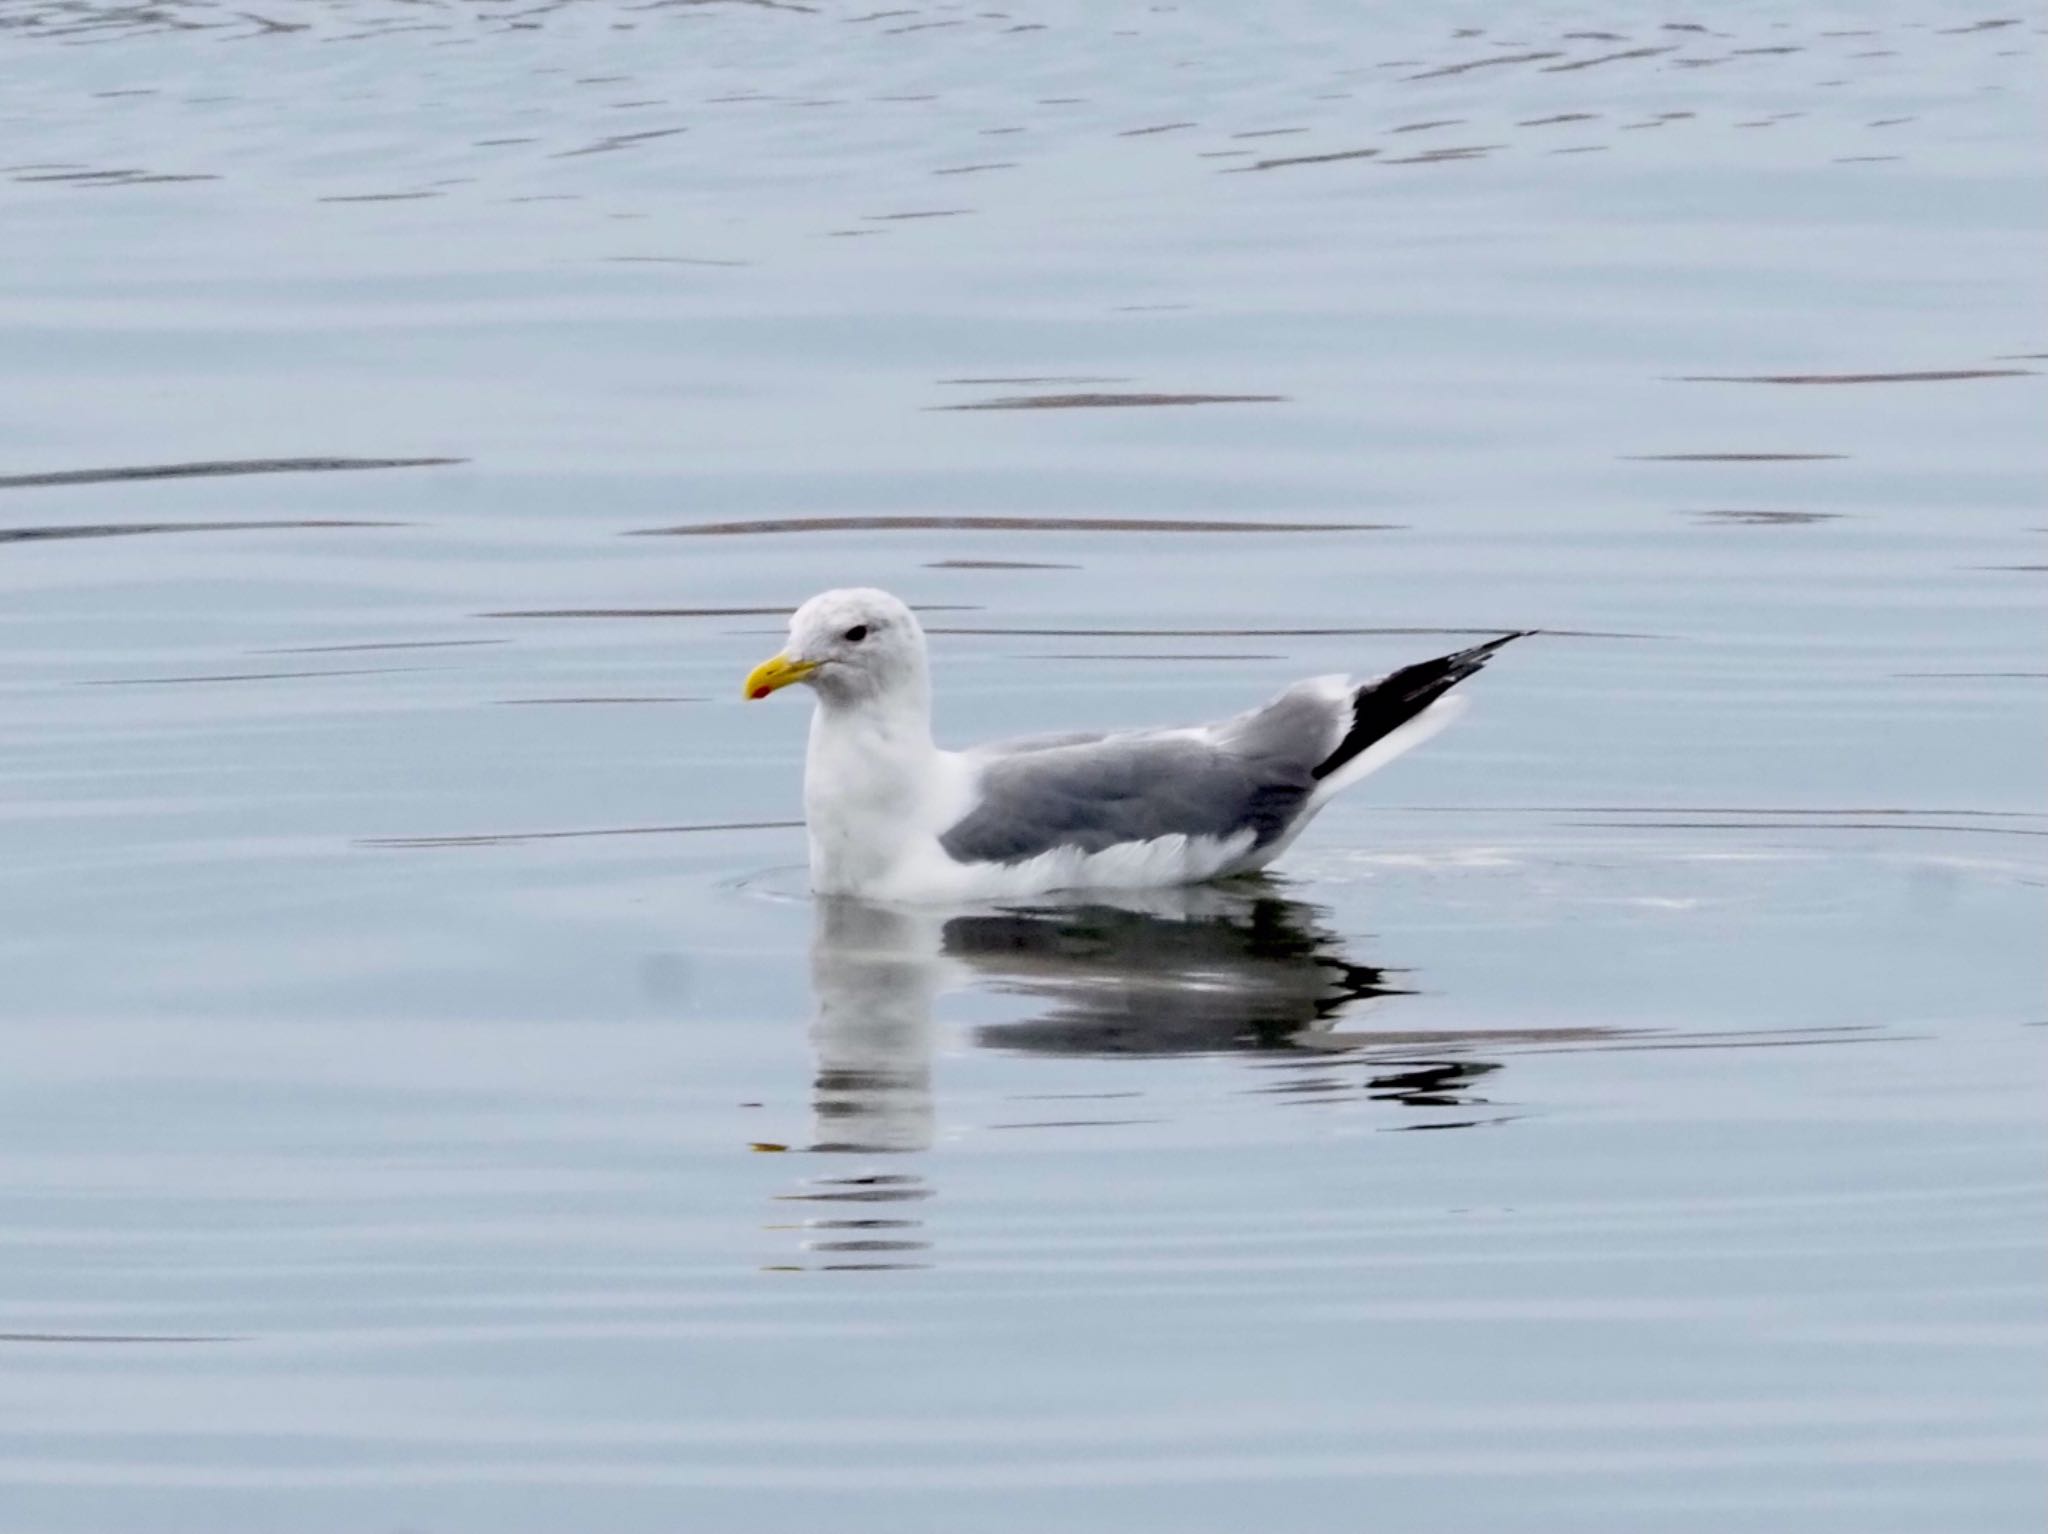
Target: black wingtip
1379 708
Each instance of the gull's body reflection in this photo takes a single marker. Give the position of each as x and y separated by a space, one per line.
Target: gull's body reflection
1204 970
875 971
1173 972
1158 973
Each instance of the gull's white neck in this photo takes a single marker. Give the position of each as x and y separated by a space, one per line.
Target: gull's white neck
868 781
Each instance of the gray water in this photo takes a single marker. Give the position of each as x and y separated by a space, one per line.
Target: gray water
428 1097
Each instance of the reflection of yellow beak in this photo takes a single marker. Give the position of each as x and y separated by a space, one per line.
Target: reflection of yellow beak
777 672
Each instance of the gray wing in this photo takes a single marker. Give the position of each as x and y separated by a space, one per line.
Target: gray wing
1253 773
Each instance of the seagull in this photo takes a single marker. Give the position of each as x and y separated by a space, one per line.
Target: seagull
893 817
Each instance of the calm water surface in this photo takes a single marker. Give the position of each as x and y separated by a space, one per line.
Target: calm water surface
428 1098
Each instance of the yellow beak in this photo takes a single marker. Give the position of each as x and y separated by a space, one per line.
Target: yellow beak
777 672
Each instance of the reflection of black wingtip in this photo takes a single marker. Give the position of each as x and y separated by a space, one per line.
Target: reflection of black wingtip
1355 982
1432 1083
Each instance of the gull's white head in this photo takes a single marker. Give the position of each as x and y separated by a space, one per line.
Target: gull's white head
850 646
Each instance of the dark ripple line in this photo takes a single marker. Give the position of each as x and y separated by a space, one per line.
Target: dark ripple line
622 698
82 175
1801 825
995 564
1001 524
1976 675
1622 1049
244 676
153 180
1701 809
137 529
676 261
1607 58
1731 457
1445 156
1257 633
1496 62
388 644
501 838
1304 159
1111 401
1757 518
698 612
1937 376
215 468
617 141
103 1337
869 1244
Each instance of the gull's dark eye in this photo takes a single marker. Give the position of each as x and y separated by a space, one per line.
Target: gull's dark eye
857 633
